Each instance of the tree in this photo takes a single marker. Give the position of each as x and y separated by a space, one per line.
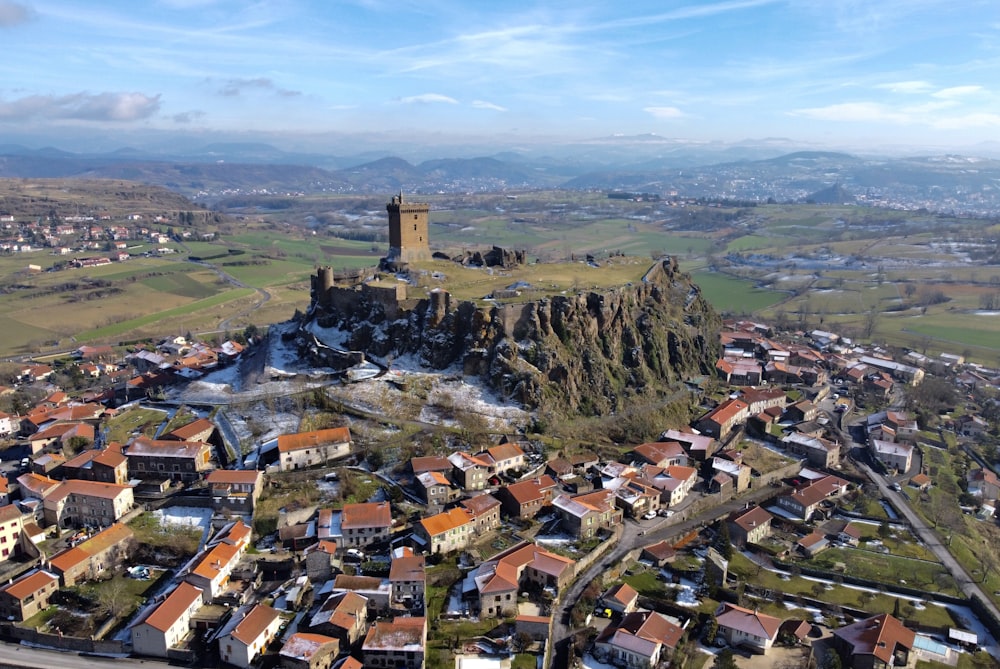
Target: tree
113 596
725 660
871 321
711 630
831 660
75 444
723 542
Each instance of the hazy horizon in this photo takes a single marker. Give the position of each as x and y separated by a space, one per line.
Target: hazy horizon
848 75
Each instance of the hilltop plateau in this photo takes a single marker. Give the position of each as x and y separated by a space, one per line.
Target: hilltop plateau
592 350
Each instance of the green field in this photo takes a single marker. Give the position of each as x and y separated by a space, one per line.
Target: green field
735 295
886 260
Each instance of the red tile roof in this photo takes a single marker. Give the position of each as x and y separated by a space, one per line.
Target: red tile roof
193 429
220 556
107 457
752 518
445 521
302 645
97 489
878 636
230 476
100 542
408 569
366 514
167 613
29 584
295 442
399 634
254 624
749 622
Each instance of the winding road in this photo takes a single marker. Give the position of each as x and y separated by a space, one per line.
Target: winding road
634 536
233 281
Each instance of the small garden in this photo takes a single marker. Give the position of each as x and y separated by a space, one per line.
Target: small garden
167 546
96 608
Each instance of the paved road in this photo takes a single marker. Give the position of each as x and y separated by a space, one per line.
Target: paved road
932 540
12 655
632 537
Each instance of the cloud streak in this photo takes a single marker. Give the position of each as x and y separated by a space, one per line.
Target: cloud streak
664 113
483 104
103 107
427 99
237 87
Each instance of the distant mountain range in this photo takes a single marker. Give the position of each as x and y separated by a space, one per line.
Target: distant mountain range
752 171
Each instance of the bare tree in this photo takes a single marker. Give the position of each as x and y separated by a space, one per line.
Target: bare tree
871 321
113 596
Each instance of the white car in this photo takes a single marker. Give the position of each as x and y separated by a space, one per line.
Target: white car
649 515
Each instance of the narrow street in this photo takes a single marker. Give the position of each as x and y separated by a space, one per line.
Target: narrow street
633 536
15 656
932 541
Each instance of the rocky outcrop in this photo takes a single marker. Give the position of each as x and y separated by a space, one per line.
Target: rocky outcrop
591 351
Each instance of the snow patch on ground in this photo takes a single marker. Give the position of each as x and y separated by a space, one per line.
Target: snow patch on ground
687 590
555 539
589 662
434 397
182 516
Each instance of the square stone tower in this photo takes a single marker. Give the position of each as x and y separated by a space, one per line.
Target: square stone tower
408 237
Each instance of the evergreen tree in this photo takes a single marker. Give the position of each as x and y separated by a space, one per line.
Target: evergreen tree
711 630
725 660
723 542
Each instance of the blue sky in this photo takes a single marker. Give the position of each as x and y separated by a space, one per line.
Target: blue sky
834 72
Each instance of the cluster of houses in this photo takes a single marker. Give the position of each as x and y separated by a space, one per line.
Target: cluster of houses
85 234
76 480
114 381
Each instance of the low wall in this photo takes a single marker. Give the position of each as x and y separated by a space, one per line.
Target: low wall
590 558
78 644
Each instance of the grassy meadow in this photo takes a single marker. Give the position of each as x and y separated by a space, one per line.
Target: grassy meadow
823 266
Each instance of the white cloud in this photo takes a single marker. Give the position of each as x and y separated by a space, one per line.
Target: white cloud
930 114
664 113
82 106
13 13
969 121
956 92
907 87
483 104
428 98
855 112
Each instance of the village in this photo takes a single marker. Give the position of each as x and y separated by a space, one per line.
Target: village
774 526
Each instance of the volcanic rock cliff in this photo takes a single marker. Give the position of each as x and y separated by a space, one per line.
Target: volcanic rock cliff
591 351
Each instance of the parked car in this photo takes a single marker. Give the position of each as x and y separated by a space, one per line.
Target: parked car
649 515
